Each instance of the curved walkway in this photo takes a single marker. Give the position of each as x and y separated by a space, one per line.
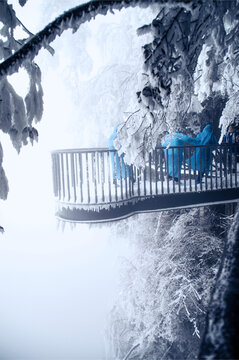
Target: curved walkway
91 185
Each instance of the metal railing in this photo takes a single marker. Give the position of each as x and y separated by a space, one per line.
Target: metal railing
100 176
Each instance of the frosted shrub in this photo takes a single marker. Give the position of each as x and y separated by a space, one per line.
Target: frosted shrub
165 286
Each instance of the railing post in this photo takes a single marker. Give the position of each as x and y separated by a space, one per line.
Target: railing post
200 167
125 179
109 173
54 176
227 170
145 178
121 181
130 180
94 174
179 169
81 176
231 164
98 166
236 155
167 170
138 181
68 177
195 171
221 164
115 176
210 164
87 176
190 168
150 172
215 158
156 170
184 168
58 175
161 156
63 176
133 172
207 166
173 161
102 172
73 182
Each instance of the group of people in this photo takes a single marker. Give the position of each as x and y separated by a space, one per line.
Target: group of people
199 160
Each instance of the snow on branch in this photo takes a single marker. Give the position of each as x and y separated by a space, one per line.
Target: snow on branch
191 60
221 333
165 287
71 19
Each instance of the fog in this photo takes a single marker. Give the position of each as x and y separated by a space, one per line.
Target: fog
57 285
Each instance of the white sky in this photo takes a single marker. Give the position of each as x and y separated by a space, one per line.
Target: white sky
56 287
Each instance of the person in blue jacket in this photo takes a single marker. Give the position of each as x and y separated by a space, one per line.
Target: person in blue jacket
174 157
116 160
202 163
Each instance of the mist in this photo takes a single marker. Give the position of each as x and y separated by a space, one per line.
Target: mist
58 282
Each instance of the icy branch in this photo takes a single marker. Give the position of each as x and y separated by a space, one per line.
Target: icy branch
71 19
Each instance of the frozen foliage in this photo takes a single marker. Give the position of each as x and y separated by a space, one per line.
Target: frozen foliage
17 113
166 285
192 59
221 336
71 19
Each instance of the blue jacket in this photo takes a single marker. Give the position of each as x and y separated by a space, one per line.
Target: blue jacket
206 137
115 159
175 156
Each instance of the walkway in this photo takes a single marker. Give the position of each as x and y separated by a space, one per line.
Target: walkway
87 188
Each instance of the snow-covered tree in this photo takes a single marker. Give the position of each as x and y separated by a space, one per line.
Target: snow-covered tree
16 113
222 325
190 65
166 284
191 61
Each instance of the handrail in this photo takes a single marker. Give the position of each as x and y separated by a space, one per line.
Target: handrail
81 150
98 178
102 149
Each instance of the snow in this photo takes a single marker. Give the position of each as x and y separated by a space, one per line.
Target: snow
60 286
57 284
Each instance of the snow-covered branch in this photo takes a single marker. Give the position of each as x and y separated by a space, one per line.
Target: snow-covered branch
192 52
71 19
221 334
165 288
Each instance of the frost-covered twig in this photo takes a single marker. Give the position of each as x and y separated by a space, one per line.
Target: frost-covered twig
130 351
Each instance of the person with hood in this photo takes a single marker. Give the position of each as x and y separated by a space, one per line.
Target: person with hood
201 160
174 157
116 160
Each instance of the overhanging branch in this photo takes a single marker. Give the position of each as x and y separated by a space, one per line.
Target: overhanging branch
71 19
